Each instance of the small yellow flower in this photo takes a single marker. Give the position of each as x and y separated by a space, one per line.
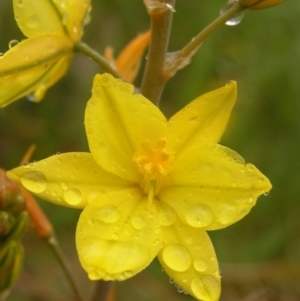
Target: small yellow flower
150 186
260 4
35 64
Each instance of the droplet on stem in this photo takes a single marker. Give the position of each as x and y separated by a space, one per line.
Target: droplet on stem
236 19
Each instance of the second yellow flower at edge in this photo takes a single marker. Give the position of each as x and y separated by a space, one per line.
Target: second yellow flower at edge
35 64
150 186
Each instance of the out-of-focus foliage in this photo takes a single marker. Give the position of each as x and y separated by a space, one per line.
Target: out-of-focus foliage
260 255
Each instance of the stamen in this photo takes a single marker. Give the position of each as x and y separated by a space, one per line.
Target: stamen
151 190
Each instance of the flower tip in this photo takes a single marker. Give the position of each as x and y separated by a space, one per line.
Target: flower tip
231 84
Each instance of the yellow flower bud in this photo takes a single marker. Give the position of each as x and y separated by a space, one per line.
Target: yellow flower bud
260 4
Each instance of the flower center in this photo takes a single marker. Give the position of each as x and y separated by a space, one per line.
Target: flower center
154 163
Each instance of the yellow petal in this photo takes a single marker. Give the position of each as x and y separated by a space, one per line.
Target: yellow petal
75 14
129 60
118 235
188 257
38 17
70 179
117 124
63 18
212 188
33 64
204 119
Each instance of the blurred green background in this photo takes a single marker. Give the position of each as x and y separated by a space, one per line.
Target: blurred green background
260 255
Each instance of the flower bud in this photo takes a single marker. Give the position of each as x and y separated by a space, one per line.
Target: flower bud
11 199
260 4
11 259
7 222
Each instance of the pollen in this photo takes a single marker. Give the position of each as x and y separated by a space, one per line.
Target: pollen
153 162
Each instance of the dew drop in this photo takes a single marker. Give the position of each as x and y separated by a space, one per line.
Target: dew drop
218 274
92 196
31 97
227 213
64 186
166 217
237 18
180 290
87 19
13 43
107 214
189 240
200 265
171 280
20 2
32 21
72 196
137 222
266 193
206 287
199 215
115 236
34 181
177 257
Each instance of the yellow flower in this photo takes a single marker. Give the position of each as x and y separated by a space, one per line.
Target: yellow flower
260 4
35 64
150 186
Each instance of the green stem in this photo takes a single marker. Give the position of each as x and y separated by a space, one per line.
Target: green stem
102 291
153 80
97 57
191 48
54 244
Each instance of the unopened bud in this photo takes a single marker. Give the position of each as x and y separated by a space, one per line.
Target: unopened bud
11 259
11 198
7 222
20 226
260 4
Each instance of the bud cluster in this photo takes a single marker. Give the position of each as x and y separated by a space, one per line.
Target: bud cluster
13 223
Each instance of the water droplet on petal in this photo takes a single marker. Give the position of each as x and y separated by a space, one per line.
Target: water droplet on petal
237 18
199 215
171 280
180 289
32 21
177 257
137 222
266 193
34 181
218 274
165 217
20 2
72 196
115 236
13 43
189 240
92 196
206 287
87 19
64 186
227 213
107 214
31 97
200 265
